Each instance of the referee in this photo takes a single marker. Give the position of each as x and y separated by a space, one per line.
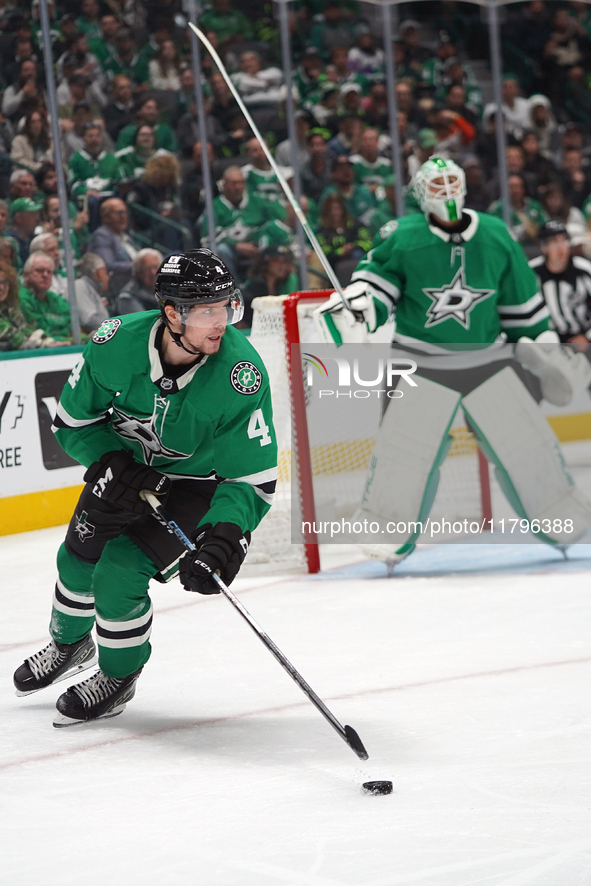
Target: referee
565 283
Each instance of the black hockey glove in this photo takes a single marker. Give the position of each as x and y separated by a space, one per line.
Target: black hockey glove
220 549
118 478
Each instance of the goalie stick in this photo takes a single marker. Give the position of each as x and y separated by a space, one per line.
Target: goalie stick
347 733
286 189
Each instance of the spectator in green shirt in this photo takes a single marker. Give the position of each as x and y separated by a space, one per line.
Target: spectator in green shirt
272 274
360 202
230 25
93 173
526 215
89 21
127 60
103 46
42 308
147 112
343 240
15 332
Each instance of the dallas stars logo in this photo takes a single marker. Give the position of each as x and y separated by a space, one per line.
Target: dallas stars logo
83 527
246 378
143 431
455 300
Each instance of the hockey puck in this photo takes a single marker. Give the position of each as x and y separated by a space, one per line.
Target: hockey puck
377 787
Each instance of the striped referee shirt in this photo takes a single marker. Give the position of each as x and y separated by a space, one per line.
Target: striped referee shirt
567 295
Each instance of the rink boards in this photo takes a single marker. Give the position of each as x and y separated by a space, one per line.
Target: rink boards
40 484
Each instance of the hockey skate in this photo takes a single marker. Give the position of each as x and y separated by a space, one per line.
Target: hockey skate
388 554
96 698
56 662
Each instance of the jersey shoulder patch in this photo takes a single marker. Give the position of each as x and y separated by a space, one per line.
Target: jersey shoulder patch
106 331
245 377
387 229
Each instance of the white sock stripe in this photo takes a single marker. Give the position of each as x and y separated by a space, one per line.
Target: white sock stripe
125 625
125 643
70 610
72 595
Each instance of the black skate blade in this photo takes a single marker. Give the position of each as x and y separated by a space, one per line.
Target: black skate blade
60 721
71 673
355 743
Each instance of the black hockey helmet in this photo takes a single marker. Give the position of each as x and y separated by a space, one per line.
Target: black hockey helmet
552 229
197 277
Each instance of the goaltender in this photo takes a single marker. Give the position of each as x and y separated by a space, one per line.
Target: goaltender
469 313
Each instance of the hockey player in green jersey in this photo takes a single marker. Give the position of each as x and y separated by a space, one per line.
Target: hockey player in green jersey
177 402
466 306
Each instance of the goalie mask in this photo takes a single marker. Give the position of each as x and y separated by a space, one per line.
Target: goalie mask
200 288
440 189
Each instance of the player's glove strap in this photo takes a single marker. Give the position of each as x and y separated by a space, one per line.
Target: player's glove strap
220 549
118 478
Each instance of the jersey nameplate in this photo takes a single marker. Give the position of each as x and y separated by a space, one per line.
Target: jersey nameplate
246 378
106 331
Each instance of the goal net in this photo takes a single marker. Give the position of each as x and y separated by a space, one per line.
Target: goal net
323 465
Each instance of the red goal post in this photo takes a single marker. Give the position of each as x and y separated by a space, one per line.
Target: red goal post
279 322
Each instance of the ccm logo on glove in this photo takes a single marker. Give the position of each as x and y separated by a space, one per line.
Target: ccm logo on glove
118 478
221 549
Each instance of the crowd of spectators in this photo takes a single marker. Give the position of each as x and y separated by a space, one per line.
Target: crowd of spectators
131 144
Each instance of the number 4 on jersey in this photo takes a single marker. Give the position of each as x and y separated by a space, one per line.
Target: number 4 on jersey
258 428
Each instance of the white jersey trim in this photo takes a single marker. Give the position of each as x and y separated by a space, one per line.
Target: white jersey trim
523 308
76 422
262 477
380 283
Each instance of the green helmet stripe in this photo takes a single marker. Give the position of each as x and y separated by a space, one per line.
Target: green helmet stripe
452 210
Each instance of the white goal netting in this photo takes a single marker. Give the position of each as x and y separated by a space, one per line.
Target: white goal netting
339 451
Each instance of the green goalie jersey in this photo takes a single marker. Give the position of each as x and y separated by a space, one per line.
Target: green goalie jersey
214 420
470 288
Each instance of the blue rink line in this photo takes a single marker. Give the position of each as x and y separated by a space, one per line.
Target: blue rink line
462 559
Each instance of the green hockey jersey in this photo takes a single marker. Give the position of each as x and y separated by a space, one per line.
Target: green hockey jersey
265 183
236 224
87 173
360 202
473 287
51 315
369 174
215 420
165 137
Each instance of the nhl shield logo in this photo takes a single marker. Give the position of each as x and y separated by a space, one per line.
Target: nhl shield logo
246 378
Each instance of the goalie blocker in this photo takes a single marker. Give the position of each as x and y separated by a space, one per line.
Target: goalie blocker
513 434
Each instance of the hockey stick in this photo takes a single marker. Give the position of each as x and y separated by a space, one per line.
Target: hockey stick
286 189
347 733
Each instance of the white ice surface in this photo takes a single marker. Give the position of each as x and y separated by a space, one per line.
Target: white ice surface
466 676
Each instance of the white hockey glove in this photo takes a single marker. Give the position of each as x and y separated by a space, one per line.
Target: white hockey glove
339 326
562 372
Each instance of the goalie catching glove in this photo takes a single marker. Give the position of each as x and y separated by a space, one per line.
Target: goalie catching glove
562 372
339 326
118 478
221 549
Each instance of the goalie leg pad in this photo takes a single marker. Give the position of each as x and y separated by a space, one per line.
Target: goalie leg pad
530 468
402 481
